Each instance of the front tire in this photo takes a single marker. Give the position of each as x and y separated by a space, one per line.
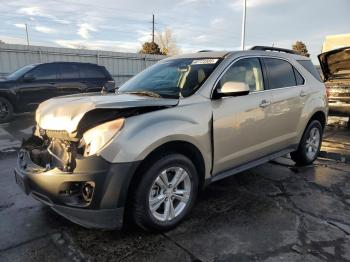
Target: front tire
6 110
310 145
166 193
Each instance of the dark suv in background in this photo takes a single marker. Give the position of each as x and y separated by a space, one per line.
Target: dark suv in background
24 89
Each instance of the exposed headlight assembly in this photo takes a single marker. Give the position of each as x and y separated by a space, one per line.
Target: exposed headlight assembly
95 139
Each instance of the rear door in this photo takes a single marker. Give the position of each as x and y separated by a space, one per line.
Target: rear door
288 92
40 88
240 126
93 76
69 80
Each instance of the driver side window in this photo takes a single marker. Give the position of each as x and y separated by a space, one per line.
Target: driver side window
44 72
246 70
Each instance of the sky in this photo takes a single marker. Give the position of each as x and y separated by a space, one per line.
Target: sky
123 25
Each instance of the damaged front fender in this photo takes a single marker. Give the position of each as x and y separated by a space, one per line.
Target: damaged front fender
62 122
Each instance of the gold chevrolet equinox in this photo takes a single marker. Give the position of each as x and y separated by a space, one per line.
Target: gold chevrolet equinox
143 152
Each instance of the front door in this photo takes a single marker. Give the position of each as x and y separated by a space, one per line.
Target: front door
37 85
241 129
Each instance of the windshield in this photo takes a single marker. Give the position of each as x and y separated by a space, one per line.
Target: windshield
172 78
19 72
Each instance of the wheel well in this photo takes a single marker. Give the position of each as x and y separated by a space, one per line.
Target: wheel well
180 147
320 116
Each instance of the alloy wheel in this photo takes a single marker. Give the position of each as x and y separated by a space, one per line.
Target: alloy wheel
313 143
170 193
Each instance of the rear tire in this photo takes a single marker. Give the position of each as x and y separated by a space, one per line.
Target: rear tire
166 193
6 110
310 144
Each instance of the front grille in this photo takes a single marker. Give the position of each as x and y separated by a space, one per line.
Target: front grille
56 133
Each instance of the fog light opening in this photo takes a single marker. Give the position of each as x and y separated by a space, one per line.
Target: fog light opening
88 191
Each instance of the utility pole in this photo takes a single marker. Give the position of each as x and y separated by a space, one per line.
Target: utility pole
27 34
243 24
152 28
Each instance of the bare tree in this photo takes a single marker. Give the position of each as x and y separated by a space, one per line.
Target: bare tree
167 42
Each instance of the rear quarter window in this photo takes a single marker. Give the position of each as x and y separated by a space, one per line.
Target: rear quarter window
298 77
308 65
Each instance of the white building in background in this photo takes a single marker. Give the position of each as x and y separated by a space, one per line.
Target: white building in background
335 41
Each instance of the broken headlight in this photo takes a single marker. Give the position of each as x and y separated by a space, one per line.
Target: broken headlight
98 137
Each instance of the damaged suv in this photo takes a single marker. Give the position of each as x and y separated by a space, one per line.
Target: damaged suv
335 65
189 120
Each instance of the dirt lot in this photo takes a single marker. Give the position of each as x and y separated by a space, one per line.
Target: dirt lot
274 212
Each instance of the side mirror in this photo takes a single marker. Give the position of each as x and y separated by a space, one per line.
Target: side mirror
233 89
28 78
108 87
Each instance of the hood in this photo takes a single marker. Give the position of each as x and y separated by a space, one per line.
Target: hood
64 113
335 63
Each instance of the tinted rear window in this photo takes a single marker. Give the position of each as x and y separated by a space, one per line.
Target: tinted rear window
308 65
91 71
279 73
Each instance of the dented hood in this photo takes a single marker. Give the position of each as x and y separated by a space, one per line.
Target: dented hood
335 63
65 113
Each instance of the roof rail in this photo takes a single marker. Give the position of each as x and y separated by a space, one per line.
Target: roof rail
276 49
203 51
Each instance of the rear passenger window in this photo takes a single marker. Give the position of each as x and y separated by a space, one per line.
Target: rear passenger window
298 77
69 71
91 71
280 73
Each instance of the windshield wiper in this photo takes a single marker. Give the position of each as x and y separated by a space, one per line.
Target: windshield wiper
144 93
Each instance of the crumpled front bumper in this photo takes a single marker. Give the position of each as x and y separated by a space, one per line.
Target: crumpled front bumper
50 186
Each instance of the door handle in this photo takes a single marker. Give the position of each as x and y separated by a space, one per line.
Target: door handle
52 83
303 93
264 103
